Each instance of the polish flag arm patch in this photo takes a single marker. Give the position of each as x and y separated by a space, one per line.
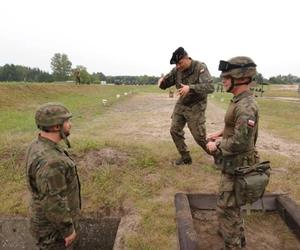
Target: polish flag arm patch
251 123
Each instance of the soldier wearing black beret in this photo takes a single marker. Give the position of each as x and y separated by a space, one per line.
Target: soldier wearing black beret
193 82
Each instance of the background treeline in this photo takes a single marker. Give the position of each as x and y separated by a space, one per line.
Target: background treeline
280 79
132 79
62 70
18 73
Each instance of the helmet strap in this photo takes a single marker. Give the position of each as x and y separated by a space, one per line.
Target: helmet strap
63 136
45 129
231 85
244 83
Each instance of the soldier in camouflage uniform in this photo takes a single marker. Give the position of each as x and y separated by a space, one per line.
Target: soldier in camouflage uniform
53 181
194 83
237 145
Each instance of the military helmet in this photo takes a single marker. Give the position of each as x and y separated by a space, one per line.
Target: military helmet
238 67
51 114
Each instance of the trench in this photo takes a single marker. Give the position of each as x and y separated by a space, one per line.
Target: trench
274 223
95 234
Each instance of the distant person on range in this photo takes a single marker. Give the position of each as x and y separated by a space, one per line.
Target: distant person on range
193 82
53 181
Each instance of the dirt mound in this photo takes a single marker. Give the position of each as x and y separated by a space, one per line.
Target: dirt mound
103 157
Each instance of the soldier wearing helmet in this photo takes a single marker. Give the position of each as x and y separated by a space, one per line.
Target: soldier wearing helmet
53 181
193 82
237 145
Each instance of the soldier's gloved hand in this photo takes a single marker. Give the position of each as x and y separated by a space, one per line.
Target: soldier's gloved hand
69 239
183 90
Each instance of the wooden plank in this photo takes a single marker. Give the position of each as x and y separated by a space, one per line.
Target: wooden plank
203 201
209 202
187 235
286 207
290 213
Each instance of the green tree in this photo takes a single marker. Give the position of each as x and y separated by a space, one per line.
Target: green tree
98 77
216 79
19 73
259 78
61 67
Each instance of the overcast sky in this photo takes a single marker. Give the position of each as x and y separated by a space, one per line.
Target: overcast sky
136 37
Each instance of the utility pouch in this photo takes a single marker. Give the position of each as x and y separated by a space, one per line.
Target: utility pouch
226 164
250 182
218 159
230 163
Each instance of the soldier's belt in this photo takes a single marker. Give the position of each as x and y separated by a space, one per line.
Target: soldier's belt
230 163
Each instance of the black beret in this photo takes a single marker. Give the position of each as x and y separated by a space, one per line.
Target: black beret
177 55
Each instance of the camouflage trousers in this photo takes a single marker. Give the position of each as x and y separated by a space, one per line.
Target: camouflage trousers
231 225
194 117
59 244
48 238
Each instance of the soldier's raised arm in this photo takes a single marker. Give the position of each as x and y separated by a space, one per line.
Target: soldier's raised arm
168 80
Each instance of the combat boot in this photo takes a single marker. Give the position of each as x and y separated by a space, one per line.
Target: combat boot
243 241
185 159
220 233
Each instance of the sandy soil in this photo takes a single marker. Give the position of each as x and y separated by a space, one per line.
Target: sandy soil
287 87
156 111
107 156
286 99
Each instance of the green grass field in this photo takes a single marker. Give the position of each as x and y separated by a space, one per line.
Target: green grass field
145 183
18 104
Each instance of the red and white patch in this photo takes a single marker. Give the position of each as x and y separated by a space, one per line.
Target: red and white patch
251 123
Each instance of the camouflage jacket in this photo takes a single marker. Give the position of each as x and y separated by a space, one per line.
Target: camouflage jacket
241 125
197 77
55 189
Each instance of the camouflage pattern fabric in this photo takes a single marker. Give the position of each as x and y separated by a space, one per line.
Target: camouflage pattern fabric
249 71
241 125
50 114
239 138
195 118
55 193
231 224
191 108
